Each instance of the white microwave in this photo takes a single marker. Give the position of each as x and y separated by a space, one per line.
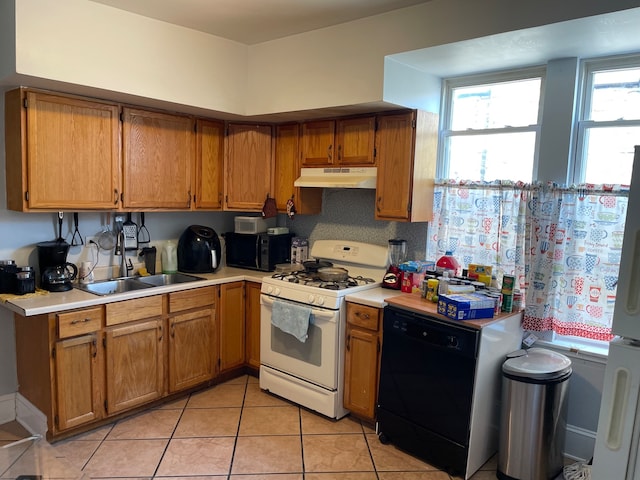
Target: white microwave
252 225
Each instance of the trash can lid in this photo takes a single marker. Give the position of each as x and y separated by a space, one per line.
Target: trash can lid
537 363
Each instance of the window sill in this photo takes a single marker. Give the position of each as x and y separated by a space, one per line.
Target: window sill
577 349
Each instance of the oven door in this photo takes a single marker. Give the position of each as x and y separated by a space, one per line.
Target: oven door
315 360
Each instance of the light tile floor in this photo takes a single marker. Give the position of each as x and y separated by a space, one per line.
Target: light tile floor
232 431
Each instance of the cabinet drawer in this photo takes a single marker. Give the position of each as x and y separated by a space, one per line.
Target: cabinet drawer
71 324
195 298
136 309
363 316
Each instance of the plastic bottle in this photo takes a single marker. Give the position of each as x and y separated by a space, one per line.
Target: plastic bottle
443 286
448 262
169 258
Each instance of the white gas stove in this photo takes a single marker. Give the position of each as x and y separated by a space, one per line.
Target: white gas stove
310 371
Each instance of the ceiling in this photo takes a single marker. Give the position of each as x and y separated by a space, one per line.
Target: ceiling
256 21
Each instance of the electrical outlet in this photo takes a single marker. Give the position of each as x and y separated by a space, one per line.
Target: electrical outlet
88 240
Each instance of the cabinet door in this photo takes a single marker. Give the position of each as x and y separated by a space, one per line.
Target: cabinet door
308 201
231 325
394 145
209 175
78 381
191 348
159 155
252 316
134 370
361 371
71 158
355 141
317 143
248 167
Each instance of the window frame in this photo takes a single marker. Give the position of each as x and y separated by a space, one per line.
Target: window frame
503 76
588 66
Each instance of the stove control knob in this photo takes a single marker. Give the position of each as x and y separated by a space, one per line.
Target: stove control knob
269 289
312 298
320 301
276 292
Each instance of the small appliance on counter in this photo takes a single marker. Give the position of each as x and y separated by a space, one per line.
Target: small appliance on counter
397 255
259 251
252 225
198 250
56 274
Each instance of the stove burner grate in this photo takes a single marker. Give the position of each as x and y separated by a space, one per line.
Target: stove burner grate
312 279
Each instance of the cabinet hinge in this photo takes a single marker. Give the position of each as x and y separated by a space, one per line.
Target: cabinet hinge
105 406
26 196
25 102
375 152
56 420
53 352
413 123
121 116
104 342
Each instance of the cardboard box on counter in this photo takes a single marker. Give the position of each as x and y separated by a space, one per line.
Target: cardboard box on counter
466 306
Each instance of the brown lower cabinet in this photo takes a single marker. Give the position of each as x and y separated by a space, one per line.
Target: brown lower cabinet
362 360
252 324
79 367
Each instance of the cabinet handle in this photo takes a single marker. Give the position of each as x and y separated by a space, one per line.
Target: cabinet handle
95 348
363 315
339 152
189 199
160 331
173 330
349 342
84 320
115 196
329 154
378 204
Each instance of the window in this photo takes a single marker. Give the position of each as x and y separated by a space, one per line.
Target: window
490 126
609 121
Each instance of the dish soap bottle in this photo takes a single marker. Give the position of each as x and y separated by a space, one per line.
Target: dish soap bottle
169 258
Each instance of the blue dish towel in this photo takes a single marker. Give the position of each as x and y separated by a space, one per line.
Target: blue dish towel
291 318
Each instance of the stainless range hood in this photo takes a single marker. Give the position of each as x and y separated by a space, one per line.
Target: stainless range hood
357 177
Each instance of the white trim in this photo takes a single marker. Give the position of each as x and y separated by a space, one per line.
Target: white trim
30 417
7 408
579 443
583 351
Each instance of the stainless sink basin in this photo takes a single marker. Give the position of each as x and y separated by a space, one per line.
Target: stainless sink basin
109 287
122 285
167 279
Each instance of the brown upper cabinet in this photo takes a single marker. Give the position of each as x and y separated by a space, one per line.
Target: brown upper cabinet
62 152
248 167
209 175
286 170
341 142
406 145
158 158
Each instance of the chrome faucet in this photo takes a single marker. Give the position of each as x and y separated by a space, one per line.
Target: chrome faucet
125 267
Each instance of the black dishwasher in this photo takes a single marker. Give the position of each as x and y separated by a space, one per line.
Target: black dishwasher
426 387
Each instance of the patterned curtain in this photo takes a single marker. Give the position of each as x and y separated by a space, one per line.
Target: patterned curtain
563 245
576 243
483 223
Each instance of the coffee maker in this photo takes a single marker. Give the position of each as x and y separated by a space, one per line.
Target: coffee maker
56 274
397 255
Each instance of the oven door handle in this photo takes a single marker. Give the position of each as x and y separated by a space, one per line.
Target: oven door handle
328 314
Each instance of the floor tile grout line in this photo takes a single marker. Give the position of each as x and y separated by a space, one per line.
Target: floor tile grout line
366 441
235 440
166 447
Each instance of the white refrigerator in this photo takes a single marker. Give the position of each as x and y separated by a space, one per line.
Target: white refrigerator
616 453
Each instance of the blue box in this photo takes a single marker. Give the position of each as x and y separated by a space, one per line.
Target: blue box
466 306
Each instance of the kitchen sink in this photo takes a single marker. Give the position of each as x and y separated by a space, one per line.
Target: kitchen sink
122 285
109 287
167 279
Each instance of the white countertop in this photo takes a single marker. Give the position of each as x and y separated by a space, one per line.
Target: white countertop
374 297
74 298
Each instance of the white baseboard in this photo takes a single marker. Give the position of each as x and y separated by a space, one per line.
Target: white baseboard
30 417
7 408
579 443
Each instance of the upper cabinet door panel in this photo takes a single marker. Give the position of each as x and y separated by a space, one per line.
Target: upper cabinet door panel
249 167
355 141
159 153
209 175
73 153
317 143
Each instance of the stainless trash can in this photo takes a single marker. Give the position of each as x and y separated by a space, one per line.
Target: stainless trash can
533 414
